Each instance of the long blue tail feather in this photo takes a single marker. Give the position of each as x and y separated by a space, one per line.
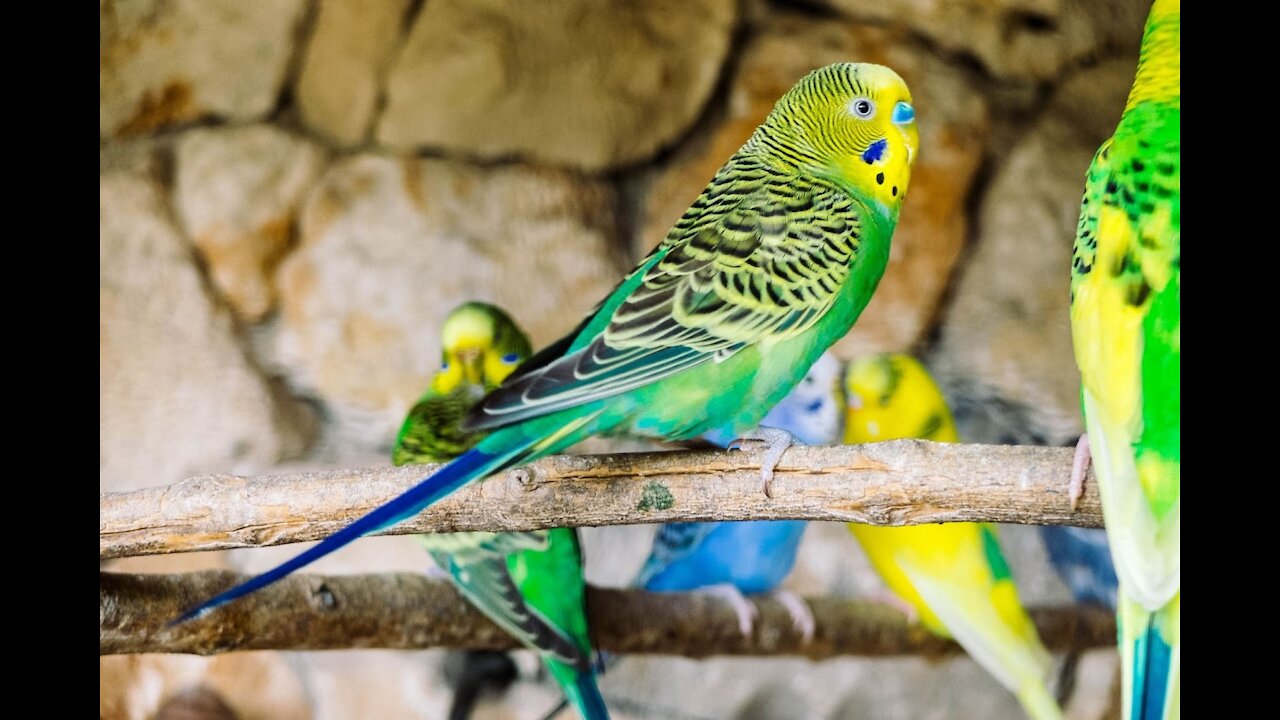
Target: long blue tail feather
590 703
469 466
1151 673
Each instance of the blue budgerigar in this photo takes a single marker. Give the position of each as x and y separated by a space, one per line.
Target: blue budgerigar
731 559
1082 560
753 557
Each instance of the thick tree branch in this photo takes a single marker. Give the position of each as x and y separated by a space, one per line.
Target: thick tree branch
903 482
408 611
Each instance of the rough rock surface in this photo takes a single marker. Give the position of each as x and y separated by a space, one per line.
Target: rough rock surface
1015 39
237 192
1005 355
249 684
389 247
571 82
178 394
165 62
345 64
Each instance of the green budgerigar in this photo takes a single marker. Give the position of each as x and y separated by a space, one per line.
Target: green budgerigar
772 263
480 346
529 583
1126 300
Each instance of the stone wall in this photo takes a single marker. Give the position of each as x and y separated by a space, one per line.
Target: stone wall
293 193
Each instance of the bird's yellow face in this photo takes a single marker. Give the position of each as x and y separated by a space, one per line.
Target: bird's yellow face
857 120
476 349
892 396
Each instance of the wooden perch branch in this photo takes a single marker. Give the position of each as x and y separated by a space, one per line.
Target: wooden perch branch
903 482
408 611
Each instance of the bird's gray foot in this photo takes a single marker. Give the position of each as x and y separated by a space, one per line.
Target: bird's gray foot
776 442
742 607
801 616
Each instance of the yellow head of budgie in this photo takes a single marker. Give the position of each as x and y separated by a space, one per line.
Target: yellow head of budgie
481 345
851 121
891 396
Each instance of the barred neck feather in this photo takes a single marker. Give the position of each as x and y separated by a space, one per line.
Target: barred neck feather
783 152
1159 77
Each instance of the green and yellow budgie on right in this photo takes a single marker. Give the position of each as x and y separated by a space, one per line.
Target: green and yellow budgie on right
952 575
1126 299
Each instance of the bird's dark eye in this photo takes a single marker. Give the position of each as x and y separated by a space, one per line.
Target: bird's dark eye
510 358
444 365
863 108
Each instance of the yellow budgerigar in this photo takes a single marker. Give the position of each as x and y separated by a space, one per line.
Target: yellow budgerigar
952 575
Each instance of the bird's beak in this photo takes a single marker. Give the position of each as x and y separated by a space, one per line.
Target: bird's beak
903 113
472 365
904 116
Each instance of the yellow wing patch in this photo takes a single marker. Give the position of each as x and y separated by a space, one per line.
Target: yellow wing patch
1107 326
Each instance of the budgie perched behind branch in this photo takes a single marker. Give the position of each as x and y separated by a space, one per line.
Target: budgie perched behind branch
772 263
529 583
1126 322
480 345
750 556
952 574
729 559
